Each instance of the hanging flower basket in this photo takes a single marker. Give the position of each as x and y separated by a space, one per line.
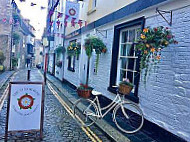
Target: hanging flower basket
96 44
74 49
125 87
150 44
84 91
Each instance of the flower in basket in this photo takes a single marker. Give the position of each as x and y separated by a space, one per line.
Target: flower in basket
84 90
74 49
150 44
125 86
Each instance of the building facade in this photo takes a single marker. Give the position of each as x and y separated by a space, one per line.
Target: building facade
164 100
5 30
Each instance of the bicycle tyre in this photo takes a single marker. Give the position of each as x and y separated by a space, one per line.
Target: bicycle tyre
80 112
133 112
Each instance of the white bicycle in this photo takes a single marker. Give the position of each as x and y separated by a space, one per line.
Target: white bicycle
127 116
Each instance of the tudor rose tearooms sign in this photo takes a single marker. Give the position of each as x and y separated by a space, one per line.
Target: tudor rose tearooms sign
25 107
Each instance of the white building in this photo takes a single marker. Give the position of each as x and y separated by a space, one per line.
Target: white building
165 101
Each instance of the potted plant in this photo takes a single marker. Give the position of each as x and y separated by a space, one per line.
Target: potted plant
150 44
96 44
84 91
125 87
74 49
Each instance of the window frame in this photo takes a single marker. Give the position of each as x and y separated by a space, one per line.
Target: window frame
114 62
71 59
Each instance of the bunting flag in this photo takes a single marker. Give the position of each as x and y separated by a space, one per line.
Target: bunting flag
11 21
58 23
66 17
42 8
73 22
51 23
33 4
72 10
4 20
22 0
60 15
80 23
65 23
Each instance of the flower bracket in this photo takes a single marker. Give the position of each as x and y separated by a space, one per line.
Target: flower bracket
161 12
102 32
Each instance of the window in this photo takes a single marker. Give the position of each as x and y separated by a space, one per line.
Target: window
71 59
128 57
91 6
125 60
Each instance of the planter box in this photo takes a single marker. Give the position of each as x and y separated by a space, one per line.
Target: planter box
125 89
84 93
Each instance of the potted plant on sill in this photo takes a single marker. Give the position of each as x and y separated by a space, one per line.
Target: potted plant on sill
150 44
84 91
125 87
93 44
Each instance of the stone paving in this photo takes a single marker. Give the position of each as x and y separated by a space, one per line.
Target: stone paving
59 126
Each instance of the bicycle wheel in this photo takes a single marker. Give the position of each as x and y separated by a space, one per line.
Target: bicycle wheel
128 117
85 111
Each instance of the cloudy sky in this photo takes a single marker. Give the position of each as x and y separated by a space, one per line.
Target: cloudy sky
35 14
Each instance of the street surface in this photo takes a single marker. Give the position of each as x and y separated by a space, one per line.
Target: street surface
59 124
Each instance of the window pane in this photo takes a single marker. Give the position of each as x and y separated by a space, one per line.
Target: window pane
130 76
138 33
124 37
131 62
126 50
123 63
131 35
122 75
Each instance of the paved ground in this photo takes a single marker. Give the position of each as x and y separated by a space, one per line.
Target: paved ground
59 126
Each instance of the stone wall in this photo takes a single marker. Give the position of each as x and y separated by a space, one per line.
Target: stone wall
5 30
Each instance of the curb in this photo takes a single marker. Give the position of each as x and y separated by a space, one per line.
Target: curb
101 123
1 85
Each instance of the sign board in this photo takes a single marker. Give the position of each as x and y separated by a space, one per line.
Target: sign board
25 107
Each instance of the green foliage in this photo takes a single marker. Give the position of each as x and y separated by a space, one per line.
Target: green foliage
84 87
74 49
14 62
2 58
126 82
97 44
94 43
150 44
16 38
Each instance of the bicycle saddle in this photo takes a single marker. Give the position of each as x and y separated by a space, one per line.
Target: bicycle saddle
96 93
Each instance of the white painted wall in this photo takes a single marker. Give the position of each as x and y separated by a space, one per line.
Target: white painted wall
166 100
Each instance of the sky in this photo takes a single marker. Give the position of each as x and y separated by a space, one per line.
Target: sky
35 14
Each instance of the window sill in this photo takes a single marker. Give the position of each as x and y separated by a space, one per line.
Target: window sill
71 69
91 11
130 97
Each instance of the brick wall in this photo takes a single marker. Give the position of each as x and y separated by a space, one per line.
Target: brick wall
166 99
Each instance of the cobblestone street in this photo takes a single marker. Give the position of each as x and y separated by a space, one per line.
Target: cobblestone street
59 125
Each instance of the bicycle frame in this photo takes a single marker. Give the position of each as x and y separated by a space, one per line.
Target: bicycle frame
117 100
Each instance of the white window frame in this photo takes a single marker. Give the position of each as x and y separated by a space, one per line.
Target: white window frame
135 57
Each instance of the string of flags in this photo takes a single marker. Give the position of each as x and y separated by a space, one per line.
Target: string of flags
71 15
9 20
